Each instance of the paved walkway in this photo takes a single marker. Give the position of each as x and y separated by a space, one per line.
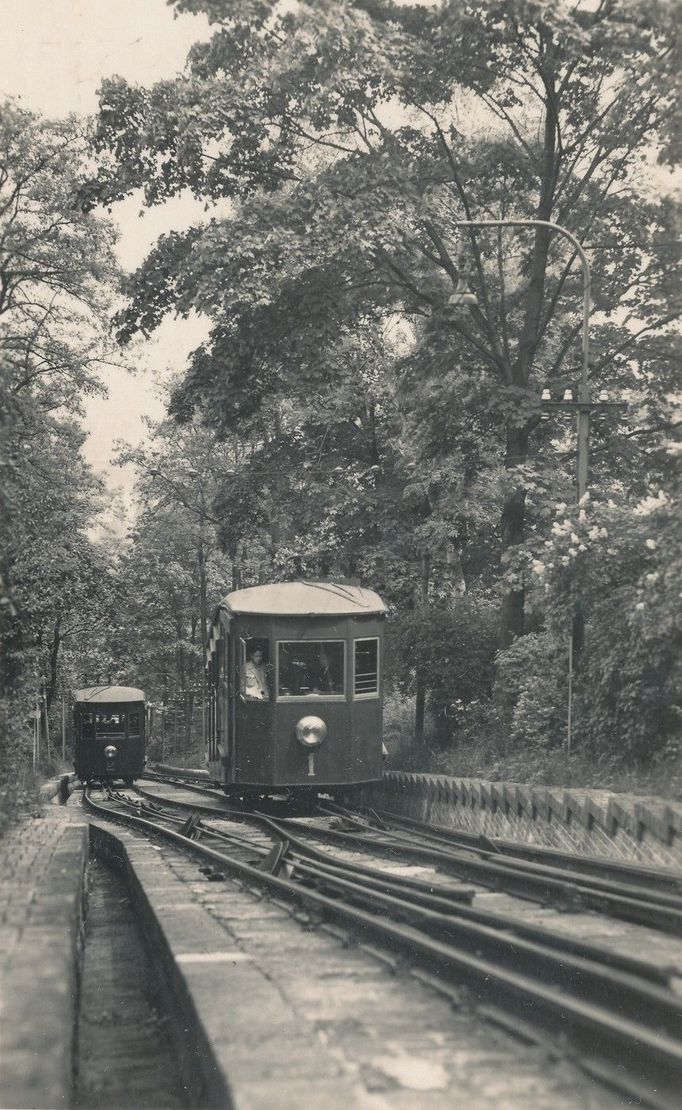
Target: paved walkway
41 870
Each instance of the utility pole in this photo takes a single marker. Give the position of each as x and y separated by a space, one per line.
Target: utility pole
420 680
47 723
203 618
584 406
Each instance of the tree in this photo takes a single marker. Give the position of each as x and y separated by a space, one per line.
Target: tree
622 561
351 140
172 573
56 272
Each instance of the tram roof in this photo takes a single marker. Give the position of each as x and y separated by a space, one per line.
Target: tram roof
108 694
305 598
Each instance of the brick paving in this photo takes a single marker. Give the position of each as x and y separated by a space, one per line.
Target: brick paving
41 864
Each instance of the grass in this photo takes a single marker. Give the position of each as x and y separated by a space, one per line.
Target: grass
482 758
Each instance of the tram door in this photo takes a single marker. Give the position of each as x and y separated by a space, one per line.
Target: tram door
227 701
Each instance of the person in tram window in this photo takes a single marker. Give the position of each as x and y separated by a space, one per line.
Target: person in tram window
256 676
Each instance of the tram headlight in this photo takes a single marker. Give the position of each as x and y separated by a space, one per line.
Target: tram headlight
311 732
110 752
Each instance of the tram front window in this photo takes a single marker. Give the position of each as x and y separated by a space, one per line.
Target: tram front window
108 724
311 668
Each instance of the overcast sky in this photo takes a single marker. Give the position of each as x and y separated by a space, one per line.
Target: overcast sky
53 56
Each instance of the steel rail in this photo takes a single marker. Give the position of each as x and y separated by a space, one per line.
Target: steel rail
574 957
649 1053
187 784
535 881
550 938
656 877
323 871
526 880
662 898
439 899
369 875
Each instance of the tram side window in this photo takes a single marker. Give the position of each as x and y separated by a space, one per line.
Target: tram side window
366 668
254 670
311 668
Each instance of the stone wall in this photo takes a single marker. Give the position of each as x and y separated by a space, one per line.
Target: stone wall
621 826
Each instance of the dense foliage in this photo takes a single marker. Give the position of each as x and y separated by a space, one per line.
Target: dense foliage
56 274
392 426
170 577
354 408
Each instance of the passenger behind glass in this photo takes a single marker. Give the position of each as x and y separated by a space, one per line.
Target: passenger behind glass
256 678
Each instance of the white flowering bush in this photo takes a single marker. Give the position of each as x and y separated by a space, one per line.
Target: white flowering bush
621 563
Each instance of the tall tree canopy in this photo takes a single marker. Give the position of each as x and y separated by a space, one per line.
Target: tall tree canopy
350 140
57 272
172 571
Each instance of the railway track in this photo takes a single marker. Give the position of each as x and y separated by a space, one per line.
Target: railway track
551 878
523 972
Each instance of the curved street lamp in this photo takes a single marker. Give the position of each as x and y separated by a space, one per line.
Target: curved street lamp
583 406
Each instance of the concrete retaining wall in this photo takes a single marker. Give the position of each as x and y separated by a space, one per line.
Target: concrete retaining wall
622 826
617 825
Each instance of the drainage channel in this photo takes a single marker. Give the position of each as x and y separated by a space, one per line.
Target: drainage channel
124 1055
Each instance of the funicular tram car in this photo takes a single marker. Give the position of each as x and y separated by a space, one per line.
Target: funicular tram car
109 733
295 681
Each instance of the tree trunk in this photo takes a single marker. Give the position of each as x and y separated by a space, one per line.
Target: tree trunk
419 709
513 510
51 685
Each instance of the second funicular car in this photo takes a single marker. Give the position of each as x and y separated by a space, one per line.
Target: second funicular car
109 733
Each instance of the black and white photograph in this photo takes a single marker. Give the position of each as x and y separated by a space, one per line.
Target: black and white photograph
340 555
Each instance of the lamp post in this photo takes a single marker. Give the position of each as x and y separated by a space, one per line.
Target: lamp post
583 406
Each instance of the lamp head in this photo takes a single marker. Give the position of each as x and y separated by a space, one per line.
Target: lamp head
462 297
